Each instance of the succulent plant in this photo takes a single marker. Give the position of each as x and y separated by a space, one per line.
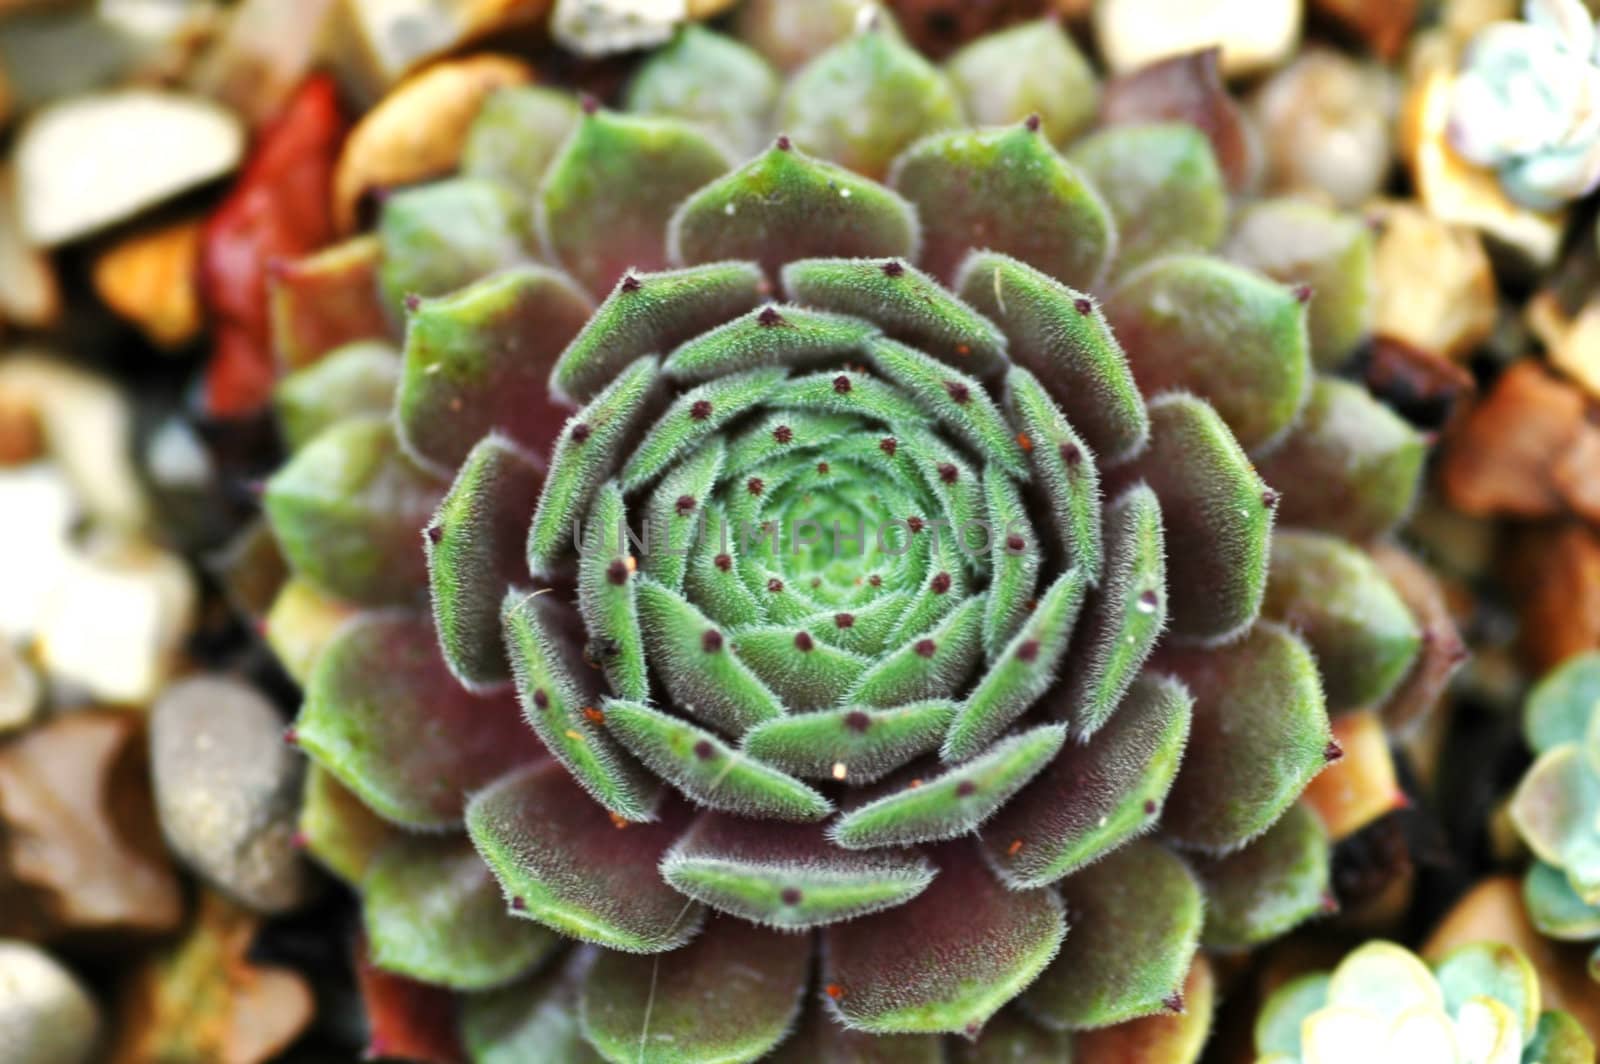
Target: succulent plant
1556 807
1478 1005
901 600
1525 103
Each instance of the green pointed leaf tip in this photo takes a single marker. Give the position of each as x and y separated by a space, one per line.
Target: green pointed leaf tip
1031 69
436 238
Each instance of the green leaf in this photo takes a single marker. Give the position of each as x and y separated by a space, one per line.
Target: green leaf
352 381
1217 515
440 236
559 700
606 598
1014 559
650 313
1233 338
806 674
701 673
906 304
707 771
820 1038
339 831
933 665
1136 919
433 912
1556 809
1059 336
772 336
784 205
1064 473
1493 970
955 802
727 997
1358 628
846 392
1277 1028
1009 191
1020 674
1011 1038
473 547
862 743
1327 250
606 200
1559 1039
1030 69
788 876
1264 890
1097 795
948 959
1162 186
476 361
1555 908
589 450
866 99
674 516
955 400
348 509
1260 734
563 862
693 418
1166 1038
383 714
1125 615
712 80
1351 466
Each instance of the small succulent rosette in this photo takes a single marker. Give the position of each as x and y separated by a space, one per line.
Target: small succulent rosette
1556 807
1527 104
966 687
1384 1005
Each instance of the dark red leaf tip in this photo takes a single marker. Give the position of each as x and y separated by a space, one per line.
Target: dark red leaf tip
723 562
541 698
769 317
711 641
784 143
580 432
1083 305
783 433
1173 1002
875 580
756 485
703 750
589 102
518 904
1149 807
791 896
925 648
915 524
966 788
1269 498
857 721
940 583
291 737
1071 454
1329 903
841 384
948 473
1333 751
413 301
844 620
435 533
893 268
888 445
774 585
958 392
684 505
700 410
1031 123
804 643
1148 600
298 840
1302 293
822 467
630 283
1015 544
617 572
1028 651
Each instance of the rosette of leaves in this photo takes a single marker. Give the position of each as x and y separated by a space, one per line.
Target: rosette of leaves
1524 103
1556 807
1478 1005
824 581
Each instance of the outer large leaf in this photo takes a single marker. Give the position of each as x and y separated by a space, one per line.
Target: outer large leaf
820 1038
564 862
1271 885
947 960
1136 919
434 912
727 997
535 1019
1260 734
384 715
1557 810
1166 1039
